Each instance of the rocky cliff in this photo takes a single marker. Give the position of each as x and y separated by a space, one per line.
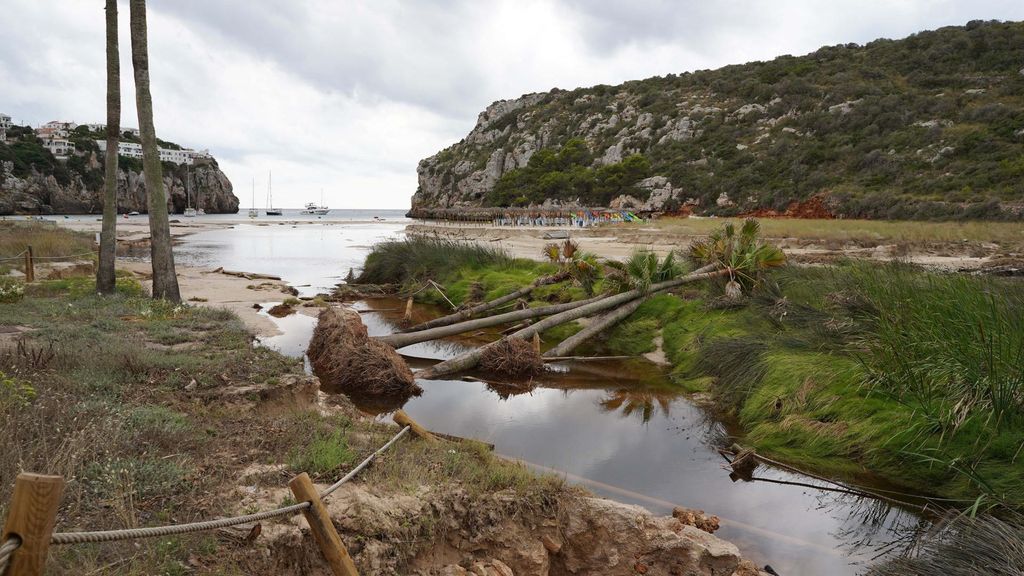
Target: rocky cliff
39 193
930 126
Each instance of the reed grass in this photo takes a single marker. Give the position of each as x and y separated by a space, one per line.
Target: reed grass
45 240
949 346
420 258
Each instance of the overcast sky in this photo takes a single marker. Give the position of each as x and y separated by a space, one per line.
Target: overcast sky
349 95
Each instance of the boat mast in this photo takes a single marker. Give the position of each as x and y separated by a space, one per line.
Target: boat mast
270 193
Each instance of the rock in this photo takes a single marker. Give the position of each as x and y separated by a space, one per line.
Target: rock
550 544
723 200
37 193
749 109
347 360
844 107
696 518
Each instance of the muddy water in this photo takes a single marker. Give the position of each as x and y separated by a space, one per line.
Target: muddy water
620 429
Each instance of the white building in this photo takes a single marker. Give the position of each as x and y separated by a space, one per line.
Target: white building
55 129
5 123
133 150
59 147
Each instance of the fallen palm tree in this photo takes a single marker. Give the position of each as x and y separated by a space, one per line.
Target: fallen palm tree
566 347
740 257
402 339
472 358
579 267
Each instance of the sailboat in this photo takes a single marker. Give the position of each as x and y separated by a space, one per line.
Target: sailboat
189 210
253 212
320 210
271 211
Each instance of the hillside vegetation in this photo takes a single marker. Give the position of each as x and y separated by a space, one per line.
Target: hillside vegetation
929 126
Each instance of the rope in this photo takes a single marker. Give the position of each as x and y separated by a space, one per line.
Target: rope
6 549
363 464
157 531
132 534
90 253
15 257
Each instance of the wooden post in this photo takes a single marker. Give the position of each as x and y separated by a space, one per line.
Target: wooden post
403 420
32 516
536 342
408 309
30 266
323 529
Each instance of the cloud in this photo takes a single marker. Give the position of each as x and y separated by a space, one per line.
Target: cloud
349 96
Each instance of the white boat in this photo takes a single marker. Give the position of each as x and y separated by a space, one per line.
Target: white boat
189 212
313 208
271 211
319 210
253 212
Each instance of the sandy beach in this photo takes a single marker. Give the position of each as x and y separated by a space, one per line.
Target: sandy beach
617 242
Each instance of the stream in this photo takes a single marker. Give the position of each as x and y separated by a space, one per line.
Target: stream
617 427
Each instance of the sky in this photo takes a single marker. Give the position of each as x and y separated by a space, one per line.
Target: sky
348 96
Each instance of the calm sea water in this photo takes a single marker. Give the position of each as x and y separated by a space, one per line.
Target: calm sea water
619 429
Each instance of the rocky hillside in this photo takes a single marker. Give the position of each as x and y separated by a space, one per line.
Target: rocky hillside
32 181
930 126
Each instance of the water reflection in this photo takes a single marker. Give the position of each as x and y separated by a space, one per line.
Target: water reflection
639 403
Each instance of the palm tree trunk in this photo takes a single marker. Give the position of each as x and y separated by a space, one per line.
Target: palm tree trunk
400 339
105 281
470 359
565 347
468 313
165 281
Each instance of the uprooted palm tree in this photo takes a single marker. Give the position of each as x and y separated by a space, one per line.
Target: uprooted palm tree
639 272
579 267
741 258
632 297
743 253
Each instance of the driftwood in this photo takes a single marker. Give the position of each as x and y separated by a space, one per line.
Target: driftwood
246 275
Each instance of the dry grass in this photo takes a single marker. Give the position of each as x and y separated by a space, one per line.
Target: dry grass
45 239
881 231
138 447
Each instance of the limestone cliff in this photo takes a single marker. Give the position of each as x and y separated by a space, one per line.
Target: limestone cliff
82 193
930 126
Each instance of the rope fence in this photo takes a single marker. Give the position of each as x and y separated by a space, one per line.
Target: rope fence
15 257
339 560
90 253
